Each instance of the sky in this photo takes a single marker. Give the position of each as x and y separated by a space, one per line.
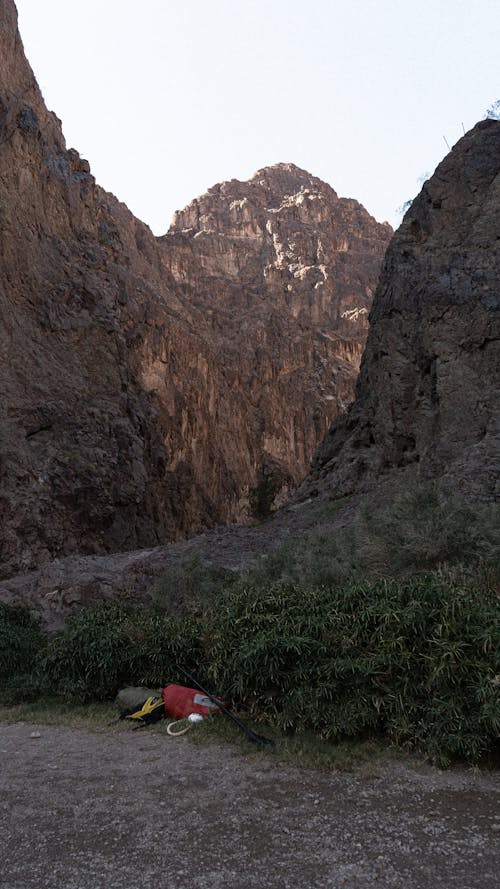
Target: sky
166 98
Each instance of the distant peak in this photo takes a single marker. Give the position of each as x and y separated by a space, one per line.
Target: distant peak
283 167
283 174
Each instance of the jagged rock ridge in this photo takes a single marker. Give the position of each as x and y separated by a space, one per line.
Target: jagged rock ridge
428 394
140 403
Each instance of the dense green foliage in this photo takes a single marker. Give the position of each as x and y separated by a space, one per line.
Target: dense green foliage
416 660
114 644
313 636
21 641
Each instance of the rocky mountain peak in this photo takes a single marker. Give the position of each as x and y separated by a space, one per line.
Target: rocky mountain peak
279 273
270 190
286 177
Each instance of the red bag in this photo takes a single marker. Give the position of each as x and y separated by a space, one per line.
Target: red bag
180 701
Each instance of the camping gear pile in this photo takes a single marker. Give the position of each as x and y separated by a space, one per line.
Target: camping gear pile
145 706
188 706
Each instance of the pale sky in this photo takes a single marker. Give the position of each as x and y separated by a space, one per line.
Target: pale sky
166 98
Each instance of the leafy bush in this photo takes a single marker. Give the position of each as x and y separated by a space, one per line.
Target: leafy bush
420 531
189 587
415 660
311 636
112 645
261 496
21 641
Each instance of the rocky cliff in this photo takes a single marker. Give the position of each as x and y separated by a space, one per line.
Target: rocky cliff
279 273
148 383
428 394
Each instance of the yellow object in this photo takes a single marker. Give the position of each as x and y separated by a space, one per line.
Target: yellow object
152 710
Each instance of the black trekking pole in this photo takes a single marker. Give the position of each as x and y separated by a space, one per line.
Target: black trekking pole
252 736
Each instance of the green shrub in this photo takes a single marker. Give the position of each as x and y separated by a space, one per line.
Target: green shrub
422 531
310 636
113 645
415 660
21 641
189 587
419 532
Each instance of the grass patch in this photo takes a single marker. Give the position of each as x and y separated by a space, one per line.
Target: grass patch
95 716
420 532
423 531
305 750
189 588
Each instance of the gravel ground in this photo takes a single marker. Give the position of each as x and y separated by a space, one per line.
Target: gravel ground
85 810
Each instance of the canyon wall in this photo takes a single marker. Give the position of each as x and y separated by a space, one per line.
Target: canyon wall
147 384
428 394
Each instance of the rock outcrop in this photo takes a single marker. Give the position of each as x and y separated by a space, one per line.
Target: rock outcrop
148 383
278 273
428 394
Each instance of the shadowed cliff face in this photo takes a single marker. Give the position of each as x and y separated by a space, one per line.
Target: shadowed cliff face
428 394
148 383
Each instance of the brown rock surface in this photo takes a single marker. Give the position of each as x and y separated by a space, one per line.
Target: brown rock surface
146 382
81 458
428 394
278 273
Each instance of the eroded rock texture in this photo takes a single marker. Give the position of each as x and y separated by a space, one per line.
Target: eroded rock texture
428 394
279 274
146 384
83 463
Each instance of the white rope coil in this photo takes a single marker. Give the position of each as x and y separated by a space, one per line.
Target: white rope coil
181 731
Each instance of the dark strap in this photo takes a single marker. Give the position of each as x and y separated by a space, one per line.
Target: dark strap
252 736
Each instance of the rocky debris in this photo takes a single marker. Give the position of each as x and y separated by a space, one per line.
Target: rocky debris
139 405
428 395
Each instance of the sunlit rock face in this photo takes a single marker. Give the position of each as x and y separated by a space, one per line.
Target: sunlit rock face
428 394
148 383
279 274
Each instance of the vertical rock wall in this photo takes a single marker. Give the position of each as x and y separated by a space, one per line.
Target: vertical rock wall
428 394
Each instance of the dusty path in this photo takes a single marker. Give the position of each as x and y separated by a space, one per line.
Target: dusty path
81 810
